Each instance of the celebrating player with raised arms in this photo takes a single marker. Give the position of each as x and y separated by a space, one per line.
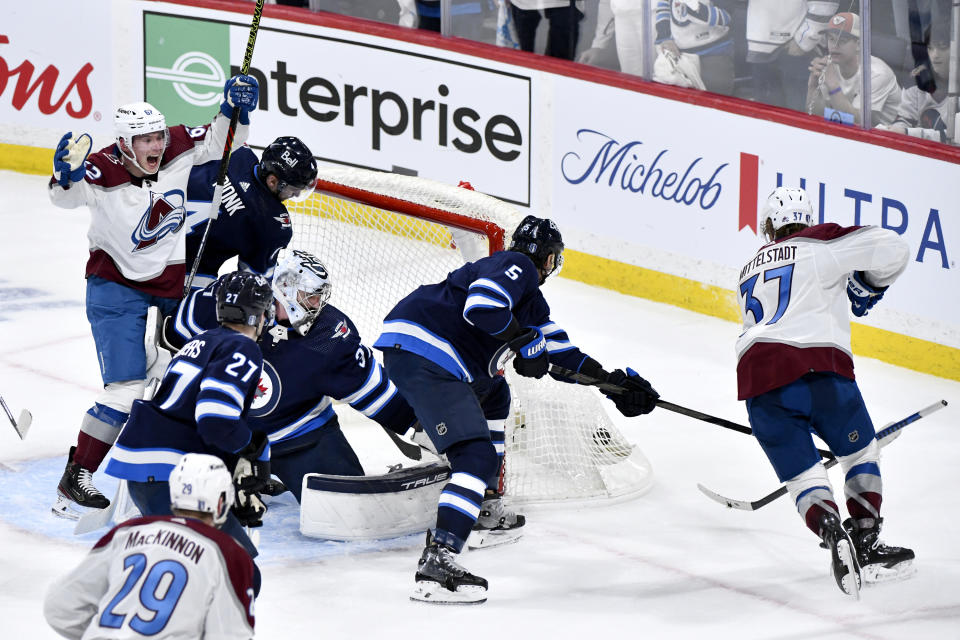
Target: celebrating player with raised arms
253 223
312 357
170 576
795 371
201 407
135 190
444 346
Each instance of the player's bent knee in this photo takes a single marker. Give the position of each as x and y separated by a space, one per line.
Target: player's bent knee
815 476
869 453
120 395
476 457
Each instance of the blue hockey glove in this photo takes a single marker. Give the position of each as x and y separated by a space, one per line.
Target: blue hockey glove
69 159
638 396
240 92
862 295
532 360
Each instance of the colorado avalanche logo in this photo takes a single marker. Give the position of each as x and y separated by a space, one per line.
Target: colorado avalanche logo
163 216
267 395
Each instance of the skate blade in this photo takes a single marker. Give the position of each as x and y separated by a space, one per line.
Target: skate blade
850 583
487 538
66 508
434 593
878 574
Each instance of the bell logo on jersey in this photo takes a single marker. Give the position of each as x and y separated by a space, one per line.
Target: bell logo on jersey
162 217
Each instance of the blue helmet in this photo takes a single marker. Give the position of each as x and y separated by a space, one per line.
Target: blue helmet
292 163
243 297
538 239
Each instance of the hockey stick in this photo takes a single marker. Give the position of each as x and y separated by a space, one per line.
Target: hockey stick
663 404
225 158
22 425
885 436
408 449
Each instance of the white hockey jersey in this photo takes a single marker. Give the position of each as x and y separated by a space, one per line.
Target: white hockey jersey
162 577
137 231
794 305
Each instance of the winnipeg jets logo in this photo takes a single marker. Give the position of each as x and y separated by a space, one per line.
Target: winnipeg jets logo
284 220
342 330
267 395
165 215
309 261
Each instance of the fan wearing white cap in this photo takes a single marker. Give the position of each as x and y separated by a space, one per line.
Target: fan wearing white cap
135 189
206 577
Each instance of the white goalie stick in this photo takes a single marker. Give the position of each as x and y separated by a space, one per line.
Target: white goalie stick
885 436
22 425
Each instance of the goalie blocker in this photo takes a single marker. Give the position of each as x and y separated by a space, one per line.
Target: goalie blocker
372 507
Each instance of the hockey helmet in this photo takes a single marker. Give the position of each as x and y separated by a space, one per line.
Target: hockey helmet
201 482
539 238
292 163
135 119
243 297
302 286
786 206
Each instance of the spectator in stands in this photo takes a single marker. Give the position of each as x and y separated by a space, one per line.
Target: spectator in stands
467 17
775 27
923 114
697 31
834 81
564 17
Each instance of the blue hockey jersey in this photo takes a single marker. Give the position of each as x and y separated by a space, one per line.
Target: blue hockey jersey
451 323
253 224
302 375
199 407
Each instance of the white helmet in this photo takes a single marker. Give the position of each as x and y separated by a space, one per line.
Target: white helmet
302 285
786 205
201 482
134 119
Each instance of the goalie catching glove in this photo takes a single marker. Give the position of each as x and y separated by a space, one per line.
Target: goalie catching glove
251 476
638 396
70 157
862 294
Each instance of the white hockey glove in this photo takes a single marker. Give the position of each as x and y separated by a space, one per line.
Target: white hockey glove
69 159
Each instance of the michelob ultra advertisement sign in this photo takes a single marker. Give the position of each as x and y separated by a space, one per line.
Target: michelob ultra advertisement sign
354 99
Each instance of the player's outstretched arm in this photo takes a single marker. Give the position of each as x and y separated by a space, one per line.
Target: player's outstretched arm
69 170
240 92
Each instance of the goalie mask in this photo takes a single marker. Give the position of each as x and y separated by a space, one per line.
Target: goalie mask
201 482
540 240
786 207
136 119
302 286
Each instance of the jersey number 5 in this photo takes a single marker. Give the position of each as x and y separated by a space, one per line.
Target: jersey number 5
784 277
160 605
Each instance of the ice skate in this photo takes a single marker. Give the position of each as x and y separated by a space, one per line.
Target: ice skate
879 562
76 493
843 559
496 525
441 580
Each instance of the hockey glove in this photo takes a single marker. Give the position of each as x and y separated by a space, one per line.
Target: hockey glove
240 92
252 472
249 509
638 396
532 360
862 294
69 159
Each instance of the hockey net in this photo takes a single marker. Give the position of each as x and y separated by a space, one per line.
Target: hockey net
382 235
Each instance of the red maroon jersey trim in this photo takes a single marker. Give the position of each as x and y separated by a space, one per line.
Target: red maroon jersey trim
770 365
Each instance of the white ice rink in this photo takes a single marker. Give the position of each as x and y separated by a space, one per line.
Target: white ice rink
670 564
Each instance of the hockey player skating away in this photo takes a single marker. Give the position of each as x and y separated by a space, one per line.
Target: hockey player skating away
444 345
253 223
313 356
200 407
207 576
135 190
795 372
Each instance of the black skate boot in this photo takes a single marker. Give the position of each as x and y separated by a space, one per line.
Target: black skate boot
496 524
76 490
843 558
440 579
878 561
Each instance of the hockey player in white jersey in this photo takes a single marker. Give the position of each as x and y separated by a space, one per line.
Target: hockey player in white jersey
795 371
172 576
135 190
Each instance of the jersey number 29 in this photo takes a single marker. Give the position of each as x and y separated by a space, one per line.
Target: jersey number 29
160 605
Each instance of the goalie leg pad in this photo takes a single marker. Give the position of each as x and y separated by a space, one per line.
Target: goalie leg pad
371 507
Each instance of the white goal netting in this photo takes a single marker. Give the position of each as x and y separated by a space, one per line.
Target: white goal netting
382 235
